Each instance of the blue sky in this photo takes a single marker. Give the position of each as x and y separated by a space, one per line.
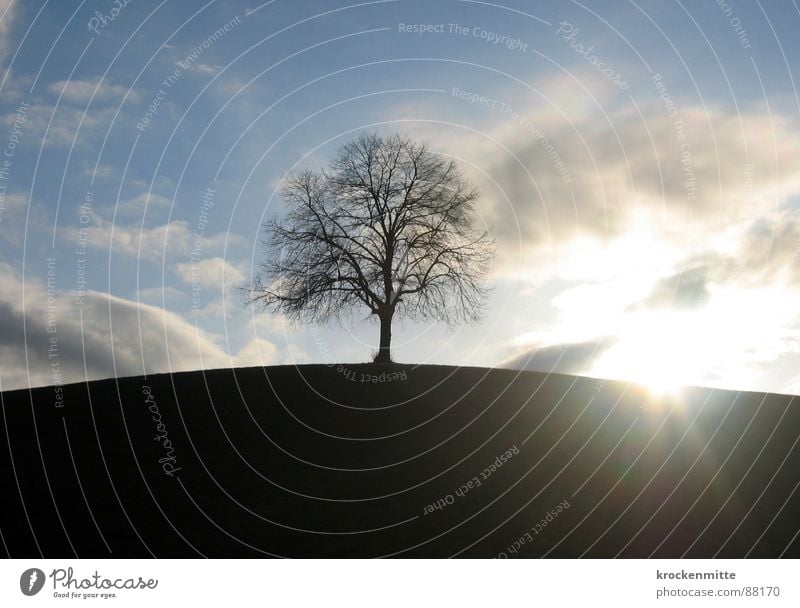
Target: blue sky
637 162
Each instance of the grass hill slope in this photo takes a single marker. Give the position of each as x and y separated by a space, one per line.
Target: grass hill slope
371 461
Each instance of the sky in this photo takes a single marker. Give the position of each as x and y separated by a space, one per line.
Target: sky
637 160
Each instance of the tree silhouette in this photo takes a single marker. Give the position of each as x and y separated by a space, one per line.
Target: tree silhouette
390 227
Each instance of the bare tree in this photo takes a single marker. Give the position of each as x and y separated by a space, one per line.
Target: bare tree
390 227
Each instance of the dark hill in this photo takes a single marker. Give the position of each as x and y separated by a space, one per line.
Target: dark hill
311 461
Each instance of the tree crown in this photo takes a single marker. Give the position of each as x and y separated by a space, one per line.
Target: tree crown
390 226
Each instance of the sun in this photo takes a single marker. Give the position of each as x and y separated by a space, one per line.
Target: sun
658 372
663 385
655 357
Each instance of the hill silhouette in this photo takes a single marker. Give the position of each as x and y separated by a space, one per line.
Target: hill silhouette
396 460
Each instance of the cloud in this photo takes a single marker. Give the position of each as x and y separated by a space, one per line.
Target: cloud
764 252
9 10
140 202
703 324
10 205
145 338
204 68
64 125
161 295
212 273
230 86
176 238
572 167
257 352
102 171
685 289
213 280
566 358
81 90
738 339
12 201
21 218
676 235
770 248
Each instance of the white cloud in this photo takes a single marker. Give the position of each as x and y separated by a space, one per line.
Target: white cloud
699 325
161 295
230 86
574 167
177 238
204 68
730 342
563 358
8 13
675 235
213 281
103 171
12 201
64 125
212 273
257 352
80 90
140 202
119 338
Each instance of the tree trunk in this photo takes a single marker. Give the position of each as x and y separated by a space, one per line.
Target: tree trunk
384 351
